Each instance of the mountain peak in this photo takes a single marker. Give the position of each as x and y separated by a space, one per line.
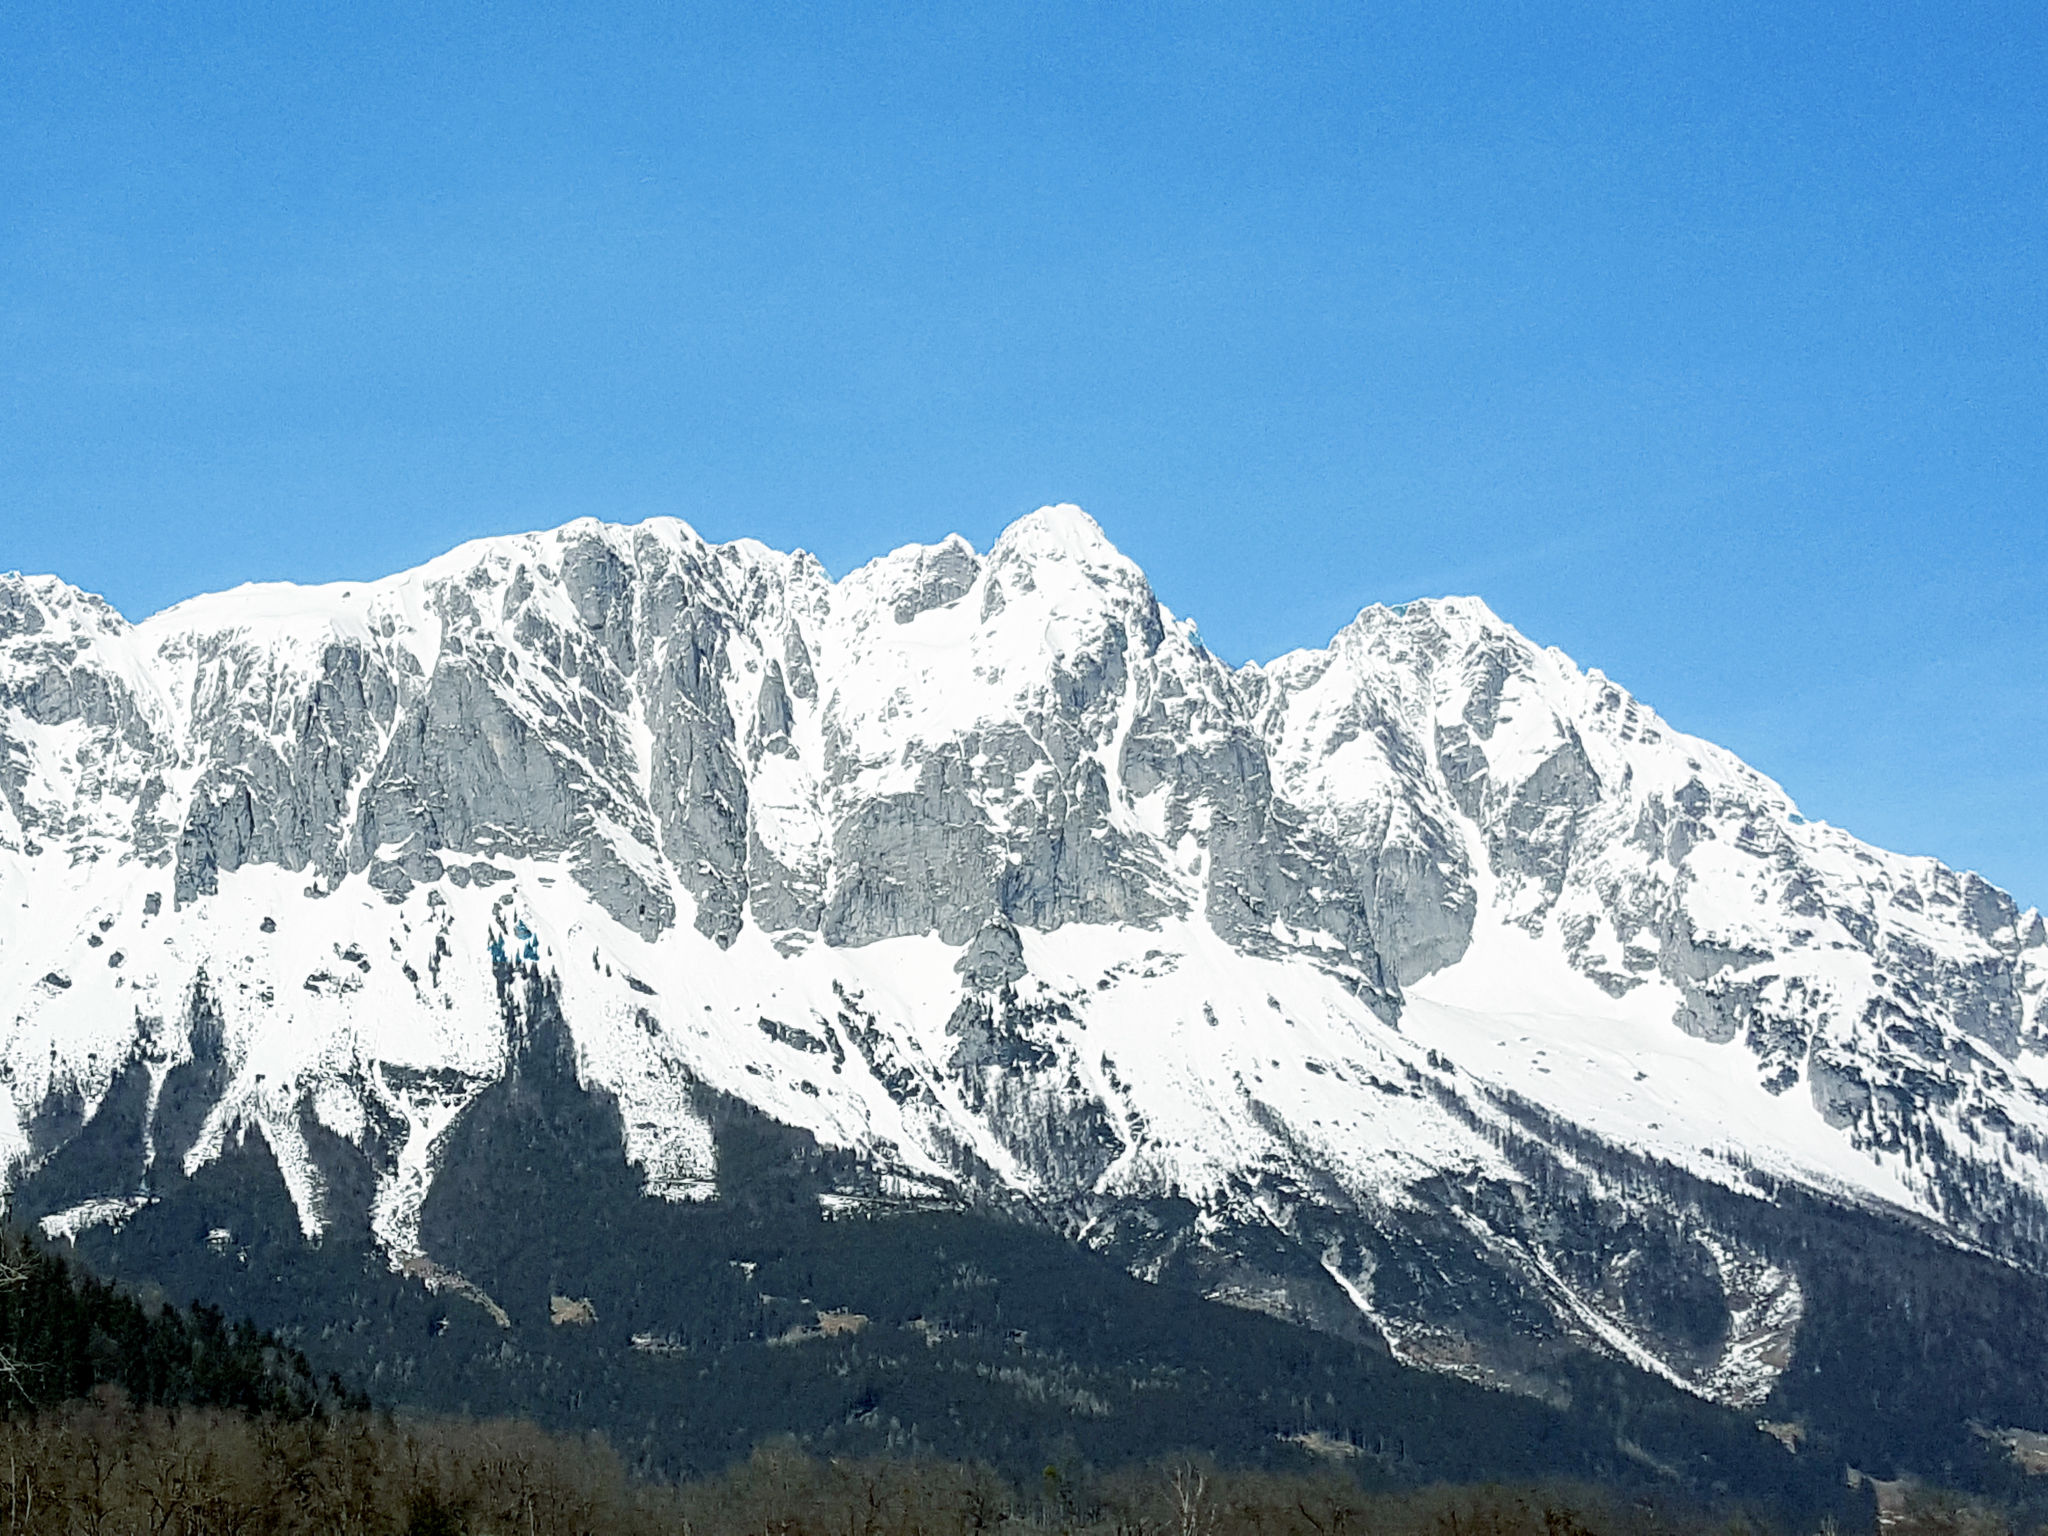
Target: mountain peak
1462 618
1062 531
26 602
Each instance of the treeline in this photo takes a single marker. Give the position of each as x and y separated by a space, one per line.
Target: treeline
111 1468
64 1334
122 1416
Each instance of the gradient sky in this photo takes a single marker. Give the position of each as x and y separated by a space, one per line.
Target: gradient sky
1709 343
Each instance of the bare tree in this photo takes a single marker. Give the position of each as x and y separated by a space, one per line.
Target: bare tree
1194 1513
13 1371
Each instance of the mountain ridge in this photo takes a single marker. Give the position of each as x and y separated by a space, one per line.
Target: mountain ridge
981 866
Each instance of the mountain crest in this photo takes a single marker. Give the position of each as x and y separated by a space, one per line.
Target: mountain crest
981 870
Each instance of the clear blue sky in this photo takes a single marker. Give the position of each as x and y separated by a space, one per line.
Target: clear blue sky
1709 343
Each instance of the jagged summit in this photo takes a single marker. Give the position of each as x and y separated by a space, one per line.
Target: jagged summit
1321 977
1062 532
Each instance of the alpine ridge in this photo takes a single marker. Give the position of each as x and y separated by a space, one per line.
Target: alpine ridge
1423 989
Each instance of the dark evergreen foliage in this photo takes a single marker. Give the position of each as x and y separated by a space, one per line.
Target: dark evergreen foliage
64 1333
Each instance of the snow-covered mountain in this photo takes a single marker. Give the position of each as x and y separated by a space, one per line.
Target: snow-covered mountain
1415 988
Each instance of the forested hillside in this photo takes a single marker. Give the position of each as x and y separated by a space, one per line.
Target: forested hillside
123 1414
65 1335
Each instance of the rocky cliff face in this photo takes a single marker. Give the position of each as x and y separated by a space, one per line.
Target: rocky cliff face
1422 988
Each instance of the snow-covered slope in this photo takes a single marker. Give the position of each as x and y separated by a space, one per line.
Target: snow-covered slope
1371 986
